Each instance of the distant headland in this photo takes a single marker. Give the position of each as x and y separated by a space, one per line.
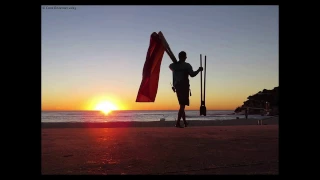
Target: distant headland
265 102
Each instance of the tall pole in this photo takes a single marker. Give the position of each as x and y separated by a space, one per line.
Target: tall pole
205 71
201 76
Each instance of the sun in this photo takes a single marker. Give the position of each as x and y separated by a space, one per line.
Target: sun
105 107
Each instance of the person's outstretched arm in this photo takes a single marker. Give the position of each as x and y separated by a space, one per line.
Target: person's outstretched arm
193 73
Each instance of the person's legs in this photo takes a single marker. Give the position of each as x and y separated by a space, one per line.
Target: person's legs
184 118
183 97
186 102
181 114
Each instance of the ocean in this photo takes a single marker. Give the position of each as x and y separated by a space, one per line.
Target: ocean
135 115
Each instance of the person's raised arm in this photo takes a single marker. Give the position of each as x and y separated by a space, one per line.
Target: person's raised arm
193 73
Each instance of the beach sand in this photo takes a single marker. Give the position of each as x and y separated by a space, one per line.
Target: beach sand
205 147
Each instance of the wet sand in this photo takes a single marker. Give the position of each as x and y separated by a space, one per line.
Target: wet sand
193 123
201 148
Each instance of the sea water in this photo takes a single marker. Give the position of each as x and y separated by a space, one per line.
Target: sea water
137 115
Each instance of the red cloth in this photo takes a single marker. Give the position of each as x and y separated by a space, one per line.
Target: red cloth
151 70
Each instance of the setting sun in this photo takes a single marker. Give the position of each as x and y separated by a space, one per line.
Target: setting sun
105 107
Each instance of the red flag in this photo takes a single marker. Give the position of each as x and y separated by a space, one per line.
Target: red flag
151 70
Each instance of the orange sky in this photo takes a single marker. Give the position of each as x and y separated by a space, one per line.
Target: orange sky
221 99
87 58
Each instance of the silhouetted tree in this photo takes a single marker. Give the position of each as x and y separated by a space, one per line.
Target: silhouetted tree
259 99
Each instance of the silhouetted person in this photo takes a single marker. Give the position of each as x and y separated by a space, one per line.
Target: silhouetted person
181 71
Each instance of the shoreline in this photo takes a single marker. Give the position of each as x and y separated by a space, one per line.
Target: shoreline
119 124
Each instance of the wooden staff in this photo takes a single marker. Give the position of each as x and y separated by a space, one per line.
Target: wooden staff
167 47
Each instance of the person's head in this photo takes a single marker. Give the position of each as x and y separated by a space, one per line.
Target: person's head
182 56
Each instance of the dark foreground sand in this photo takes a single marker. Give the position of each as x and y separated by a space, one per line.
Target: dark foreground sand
202 148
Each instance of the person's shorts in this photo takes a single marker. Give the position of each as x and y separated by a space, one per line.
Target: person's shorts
182 91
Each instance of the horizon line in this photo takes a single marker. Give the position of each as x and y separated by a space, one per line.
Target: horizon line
147 110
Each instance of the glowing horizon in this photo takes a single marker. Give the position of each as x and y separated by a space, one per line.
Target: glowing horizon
96 54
